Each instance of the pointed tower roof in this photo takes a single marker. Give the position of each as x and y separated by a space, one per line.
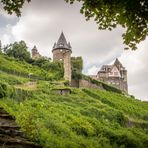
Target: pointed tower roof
62 39
118 64
34 48
62 43
117 61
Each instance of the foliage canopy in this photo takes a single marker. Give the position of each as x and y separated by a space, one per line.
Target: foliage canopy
55 67
13 6
77 66
18 50
130 14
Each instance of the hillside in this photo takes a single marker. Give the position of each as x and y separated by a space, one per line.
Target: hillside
84 118
10 136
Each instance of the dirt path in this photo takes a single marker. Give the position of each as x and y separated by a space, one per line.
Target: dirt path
10 136
28 86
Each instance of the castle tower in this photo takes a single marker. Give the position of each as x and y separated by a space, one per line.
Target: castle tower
35 53
62 52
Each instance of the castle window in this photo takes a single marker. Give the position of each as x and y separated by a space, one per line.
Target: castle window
61 50
61 59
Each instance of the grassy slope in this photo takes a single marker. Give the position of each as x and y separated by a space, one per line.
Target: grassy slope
23 69
85 118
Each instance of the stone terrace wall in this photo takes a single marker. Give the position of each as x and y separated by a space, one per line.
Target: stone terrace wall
88 84
96 85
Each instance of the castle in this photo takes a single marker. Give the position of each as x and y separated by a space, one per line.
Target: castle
114 74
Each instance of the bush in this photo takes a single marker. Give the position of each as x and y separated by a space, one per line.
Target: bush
3 90
18 50
111 88
77 66
104 85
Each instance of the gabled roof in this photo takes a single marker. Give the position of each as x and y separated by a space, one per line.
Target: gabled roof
107 68
118 64
62 43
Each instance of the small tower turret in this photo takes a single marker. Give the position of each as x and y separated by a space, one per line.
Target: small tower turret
35 53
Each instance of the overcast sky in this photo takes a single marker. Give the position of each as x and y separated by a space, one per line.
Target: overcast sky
41 24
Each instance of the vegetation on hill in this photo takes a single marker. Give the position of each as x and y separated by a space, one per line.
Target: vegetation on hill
18 50
55 67
102 85
130 14
77 67
84 118
21 68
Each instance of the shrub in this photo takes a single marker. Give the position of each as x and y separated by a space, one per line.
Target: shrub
3 90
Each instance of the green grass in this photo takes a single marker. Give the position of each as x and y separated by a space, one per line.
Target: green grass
132 107
23 69
81 119
86 118
12 79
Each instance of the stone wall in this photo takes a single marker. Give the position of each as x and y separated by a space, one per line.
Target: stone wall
85 84
65 56
67 66
118 83
88 84
75 83
58 55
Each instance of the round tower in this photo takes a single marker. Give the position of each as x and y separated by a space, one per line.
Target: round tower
62 52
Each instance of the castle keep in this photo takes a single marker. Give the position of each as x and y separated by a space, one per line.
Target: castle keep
62 52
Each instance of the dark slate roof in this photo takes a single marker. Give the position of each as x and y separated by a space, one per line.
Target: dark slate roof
62 43
119 65
34 48
105 68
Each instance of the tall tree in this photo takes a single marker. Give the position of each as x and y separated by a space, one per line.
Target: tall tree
77 66
18 50
13 6
108 14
